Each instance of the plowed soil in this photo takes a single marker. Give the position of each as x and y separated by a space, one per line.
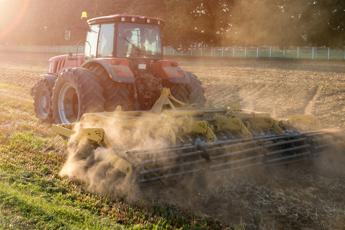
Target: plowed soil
281 88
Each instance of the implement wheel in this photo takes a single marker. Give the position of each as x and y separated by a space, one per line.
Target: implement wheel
190 93
76 92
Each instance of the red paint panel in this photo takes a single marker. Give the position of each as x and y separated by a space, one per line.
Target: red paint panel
122 71
167 69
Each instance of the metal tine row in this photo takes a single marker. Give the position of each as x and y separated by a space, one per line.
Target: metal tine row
285 158
239 156
242 163
243 155
217 152
190 149
225 142
222 142
239 164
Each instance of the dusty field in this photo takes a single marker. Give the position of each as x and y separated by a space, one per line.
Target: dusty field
297 197
281 88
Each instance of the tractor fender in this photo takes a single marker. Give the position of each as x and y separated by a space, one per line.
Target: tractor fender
170 71
117 68
51 78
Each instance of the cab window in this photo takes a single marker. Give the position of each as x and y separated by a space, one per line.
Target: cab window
91 41
139 40
106 40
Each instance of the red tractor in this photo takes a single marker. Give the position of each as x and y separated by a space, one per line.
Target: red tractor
122 66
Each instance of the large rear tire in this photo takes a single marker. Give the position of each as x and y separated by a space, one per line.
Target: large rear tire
115 94
191 92
76 92
42 93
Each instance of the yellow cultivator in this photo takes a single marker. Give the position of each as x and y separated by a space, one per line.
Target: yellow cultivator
200 139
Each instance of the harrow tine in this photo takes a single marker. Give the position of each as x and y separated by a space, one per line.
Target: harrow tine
225 167
233 165
268 153
200 161
219 152
192 150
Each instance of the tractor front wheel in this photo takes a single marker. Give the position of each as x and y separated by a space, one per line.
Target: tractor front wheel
41 93
76 92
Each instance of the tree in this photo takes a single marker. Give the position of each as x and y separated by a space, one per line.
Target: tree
192 22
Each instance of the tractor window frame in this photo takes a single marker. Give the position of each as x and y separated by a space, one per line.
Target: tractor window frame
91 49
112 42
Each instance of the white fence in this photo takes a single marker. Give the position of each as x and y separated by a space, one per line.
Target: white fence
43 49
317 53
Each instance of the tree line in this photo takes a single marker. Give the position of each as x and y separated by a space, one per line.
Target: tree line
188 23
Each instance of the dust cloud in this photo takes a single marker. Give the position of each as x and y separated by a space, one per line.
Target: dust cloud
105 170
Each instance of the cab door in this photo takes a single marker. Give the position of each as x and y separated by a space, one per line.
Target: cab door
91 42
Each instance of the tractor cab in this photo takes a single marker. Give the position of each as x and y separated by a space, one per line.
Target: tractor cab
119 36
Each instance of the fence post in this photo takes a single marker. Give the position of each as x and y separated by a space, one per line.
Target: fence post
257 52
270 51
312 53
233 51
298 53
315 52
329 53
245 51
222 51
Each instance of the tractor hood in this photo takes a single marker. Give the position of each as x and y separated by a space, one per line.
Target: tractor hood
58 63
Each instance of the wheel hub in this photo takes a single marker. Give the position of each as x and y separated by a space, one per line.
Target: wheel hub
68 104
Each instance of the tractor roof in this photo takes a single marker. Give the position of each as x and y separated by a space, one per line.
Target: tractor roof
126 18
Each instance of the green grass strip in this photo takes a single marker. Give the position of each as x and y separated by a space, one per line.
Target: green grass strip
49 215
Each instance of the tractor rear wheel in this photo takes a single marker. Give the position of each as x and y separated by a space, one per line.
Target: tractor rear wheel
42 93
190 93
76 92
115 94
